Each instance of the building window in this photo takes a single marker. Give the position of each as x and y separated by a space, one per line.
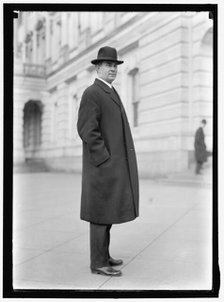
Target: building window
134 89
40 47
29 47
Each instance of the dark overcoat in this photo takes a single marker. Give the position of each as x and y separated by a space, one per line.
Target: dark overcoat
110 192
200 146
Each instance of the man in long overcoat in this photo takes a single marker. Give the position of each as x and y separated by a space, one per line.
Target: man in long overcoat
200 147
110 193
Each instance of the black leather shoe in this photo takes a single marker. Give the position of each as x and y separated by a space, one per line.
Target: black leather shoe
114 262
106 271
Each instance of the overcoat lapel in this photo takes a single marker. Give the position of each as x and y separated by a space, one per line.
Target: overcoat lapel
115 97
111 92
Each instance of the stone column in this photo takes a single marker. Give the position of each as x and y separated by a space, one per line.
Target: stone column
24 52
64 29
34 47
63 112
189 24
54 47
47 38
45 122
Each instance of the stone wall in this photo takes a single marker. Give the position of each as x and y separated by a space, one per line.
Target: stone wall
170 53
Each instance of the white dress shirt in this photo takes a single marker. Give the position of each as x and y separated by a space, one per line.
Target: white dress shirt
105 82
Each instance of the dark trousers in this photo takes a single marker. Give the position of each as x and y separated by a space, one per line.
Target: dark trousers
198 167
99 245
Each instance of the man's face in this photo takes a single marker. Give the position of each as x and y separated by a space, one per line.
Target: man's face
107 71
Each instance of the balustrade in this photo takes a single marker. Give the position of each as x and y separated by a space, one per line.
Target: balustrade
33 70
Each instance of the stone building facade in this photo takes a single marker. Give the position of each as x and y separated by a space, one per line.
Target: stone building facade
166 83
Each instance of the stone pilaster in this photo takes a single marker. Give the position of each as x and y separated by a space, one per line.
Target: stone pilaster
18 123
47 37
46 120
34 47
62 113
64 29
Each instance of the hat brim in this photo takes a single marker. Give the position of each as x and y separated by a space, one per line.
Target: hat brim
95 62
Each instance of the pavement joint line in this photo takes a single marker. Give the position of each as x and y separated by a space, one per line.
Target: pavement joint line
49 250
40 222
39 281
184 183
161 234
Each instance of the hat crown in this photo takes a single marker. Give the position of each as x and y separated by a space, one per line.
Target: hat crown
107 53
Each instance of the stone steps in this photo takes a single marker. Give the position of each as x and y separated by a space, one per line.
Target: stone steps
189 177
33 166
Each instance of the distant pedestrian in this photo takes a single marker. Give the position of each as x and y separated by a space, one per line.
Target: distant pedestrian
200 147
109 174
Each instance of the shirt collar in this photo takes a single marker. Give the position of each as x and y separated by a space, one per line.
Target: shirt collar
108 84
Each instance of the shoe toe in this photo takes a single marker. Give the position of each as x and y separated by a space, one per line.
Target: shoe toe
107 271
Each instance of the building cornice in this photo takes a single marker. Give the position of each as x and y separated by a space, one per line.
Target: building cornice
99 42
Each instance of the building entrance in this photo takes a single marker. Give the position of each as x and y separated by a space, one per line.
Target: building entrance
32 128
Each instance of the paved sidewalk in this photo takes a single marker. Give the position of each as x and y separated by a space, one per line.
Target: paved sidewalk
167 247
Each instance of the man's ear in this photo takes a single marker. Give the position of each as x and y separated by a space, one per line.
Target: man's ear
97 67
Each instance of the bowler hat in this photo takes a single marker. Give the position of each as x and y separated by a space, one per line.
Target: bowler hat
107 54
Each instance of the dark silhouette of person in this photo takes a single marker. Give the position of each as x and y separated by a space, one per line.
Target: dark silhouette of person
200 147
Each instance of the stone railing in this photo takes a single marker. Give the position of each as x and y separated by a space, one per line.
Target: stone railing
33 70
